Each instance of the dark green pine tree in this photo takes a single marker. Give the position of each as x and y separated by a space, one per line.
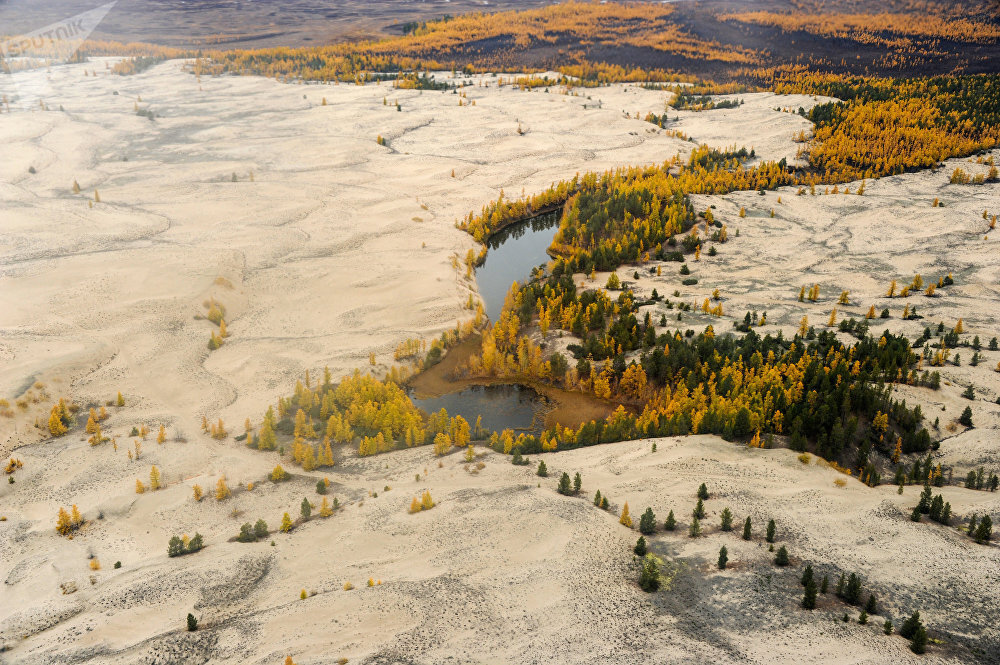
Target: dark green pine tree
647 523
910 626
965 419
577 483
746 529
727 519
945 514
649 578
192 623
781 558
671 523
840 586
871 606
305 509
937 505
699 509
925 500
640 547
542 471
918 643
807 575
723 557
320 486
915 515
825 584
597 499
809 597
852 594
771 528
702 491
985 530
564 484
260 529
246 534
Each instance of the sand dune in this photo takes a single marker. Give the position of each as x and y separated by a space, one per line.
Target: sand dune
337 247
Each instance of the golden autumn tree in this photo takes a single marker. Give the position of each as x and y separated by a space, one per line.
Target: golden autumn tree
286 523
442 444
91 425
326 459
625 519
633 382
56 426
64 526
221 490
460 432
161 436
154 478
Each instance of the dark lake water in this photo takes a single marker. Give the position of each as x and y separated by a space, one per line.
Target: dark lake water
501 406
513 252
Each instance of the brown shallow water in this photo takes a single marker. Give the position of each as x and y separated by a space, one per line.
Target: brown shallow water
560 407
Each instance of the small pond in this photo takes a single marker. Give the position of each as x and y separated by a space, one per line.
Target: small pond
501 406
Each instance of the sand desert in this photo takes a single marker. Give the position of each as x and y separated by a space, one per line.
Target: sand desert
324 246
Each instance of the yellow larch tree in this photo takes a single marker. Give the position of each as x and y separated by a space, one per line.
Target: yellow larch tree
221 489
64 526
625 519
56 426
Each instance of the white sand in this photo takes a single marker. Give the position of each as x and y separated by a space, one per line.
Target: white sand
326 264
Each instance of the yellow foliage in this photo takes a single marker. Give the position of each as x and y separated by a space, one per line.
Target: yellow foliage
625 518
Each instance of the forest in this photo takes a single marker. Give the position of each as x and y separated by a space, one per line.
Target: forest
827 397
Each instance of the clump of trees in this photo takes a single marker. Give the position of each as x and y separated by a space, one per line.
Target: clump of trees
68 522
425 502
570 488
181 545
252 533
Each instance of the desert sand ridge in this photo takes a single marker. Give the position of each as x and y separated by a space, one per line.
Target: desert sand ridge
338 246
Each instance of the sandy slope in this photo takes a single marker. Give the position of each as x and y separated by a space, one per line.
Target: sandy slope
500 571
323 260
